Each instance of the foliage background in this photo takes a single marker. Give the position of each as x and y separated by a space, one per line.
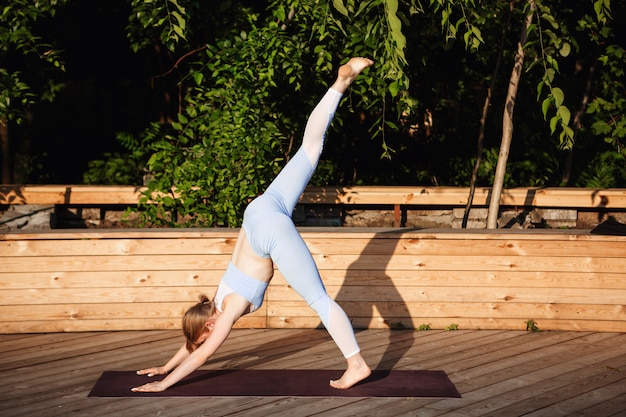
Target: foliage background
210 100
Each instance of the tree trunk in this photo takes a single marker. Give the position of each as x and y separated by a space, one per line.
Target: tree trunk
483 121
507 122
5 161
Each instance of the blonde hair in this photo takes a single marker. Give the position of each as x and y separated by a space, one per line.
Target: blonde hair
194 320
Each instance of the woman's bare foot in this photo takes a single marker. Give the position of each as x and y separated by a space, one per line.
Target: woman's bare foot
357 371
349 71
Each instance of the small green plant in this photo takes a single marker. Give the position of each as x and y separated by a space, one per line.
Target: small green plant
424 327
452 326
531 326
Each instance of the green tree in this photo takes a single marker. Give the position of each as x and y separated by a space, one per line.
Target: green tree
237 123
23 49
507 119
548 38
239 78
605 112
267 57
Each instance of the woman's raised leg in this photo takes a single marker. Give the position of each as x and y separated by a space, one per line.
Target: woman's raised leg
291 255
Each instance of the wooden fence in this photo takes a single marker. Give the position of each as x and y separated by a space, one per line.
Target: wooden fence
99 195
123 279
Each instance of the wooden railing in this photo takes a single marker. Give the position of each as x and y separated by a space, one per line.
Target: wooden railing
122 279
96 195
358 195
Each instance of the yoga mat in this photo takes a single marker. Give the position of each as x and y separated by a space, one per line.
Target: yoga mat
281 383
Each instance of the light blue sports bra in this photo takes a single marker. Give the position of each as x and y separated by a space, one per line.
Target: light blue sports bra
235 281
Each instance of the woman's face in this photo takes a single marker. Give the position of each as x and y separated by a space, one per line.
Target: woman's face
203 336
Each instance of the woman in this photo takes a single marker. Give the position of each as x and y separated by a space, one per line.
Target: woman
269 237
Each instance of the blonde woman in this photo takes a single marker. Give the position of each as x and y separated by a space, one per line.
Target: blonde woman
269 238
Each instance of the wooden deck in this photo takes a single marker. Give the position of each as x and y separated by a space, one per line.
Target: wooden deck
498 372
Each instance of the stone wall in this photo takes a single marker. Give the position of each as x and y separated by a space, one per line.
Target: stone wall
453 217
35 217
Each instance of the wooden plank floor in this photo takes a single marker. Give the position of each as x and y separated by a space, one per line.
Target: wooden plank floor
498 372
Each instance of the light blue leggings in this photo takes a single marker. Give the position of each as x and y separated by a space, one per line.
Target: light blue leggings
272 233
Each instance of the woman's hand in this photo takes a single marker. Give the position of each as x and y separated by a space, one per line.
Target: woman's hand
159 370
156 386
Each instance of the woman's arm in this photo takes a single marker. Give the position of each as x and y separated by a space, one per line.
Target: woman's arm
234 307
176 360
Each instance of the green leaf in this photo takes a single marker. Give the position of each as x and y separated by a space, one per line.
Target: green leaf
394 88
539 88
545 106
564 113
340 7
553 123
558 95
477 33
569 132
550 19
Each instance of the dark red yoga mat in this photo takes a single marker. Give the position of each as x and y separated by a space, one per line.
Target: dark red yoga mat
281 383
